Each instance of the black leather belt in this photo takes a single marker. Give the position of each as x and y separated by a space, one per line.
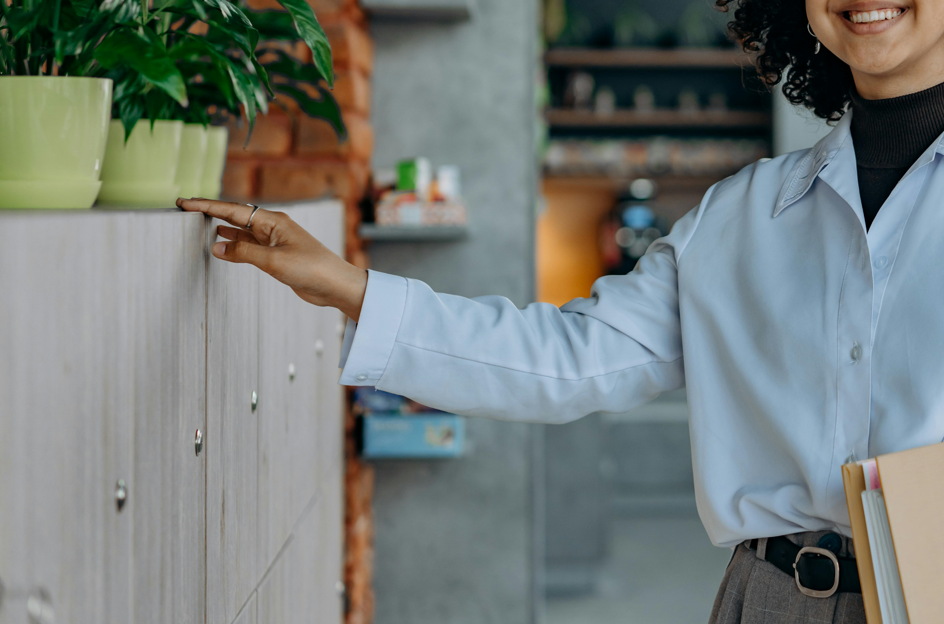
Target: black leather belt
818 571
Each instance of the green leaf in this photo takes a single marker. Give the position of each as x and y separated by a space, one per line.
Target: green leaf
291 68
228 9
146 55
263 76
274 25
324 107
130 111
314 35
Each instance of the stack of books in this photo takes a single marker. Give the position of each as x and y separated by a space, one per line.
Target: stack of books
896 508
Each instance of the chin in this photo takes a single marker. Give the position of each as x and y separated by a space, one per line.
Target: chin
875 59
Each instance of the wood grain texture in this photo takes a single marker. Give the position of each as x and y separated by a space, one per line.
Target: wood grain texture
291 588
289 414
330 231
167 305
330 607
120 338
64 425
231 441
248 614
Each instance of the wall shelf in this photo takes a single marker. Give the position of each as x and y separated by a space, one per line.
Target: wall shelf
418 10
563 118
413 233
633 58
617 182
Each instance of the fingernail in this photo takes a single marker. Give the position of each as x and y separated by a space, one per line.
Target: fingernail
218 249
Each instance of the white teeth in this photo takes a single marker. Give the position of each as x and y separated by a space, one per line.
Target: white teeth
867 17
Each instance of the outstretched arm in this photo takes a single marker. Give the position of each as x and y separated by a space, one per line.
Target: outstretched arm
484 357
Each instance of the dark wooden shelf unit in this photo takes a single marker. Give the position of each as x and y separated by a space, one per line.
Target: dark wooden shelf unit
634 58
664 118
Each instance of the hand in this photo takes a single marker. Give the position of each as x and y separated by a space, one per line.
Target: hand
284 250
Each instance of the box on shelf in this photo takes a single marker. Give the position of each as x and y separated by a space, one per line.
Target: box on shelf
393 427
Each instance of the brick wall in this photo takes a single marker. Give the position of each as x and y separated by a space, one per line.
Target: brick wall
291 156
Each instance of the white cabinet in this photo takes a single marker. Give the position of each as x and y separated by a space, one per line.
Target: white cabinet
120 339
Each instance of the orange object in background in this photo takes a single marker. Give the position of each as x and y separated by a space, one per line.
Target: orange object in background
568 252
568 234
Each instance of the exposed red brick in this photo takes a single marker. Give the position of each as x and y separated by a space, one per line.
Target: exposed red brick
296 49
316 137
352 91
289 180
351 47
239 179
272 136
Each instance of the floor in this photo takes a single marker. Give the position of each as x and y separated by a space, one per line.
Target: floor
660 571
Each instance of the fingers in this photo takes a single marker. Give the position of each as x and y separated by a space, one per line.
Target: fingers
242 252
235 234
232 213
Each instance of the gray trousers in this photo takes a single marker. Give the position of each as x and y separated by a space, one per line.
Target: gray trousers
753 591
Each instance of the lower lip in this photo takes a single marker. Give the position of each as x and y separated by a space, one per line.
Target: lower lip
873 28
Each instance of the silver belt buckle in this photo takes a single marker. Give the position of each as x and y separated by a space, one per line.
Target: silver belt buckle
812 592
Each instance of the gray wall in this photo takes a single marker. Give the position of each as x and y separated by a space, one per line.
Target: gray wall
455 540
795 127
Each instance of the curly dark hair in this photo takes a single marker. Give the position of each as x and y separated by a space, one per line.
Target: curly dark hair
774 32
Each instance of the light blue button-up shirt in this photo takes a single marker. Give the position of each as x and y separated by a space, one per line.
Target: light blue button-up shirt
803 340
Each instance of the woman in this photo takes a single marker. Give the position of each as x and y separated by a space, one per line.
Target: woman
808 338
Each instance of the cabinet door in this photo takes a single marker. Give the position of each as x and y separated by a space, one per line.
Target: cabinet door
290 367
330 507
231 440
289 592
248 613
65 418
167 306
330 607
329 228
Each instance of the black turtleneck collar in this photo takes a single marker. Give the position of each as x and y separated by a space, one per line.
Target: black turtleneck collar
892 133
888 136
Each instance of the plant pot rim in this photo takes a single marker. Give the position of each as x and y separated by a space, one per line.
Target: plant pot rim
158 122
57 78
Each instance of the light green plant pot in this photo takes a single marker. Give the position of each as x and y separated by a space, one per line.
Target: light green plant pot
141 173
190 166
52 140
217 144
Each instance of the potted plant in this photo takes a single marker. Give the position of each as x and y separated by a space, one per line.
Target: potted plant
55 100
278 73
215 49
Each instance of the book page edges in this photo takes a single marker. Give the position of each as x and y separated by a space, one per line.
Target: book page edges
913 483
854 483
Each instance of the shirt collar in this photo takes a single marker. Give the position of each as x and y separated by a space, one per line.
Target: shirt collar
801 177
810 166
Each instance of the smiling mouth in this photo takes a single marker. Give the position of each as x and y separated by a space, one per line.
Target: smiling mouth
870 17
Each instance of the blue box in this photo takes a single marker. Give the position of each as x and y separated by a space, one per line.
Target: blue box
416 436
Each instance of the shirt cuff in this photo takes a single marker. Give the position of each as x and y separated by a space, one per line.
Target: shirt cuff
369 342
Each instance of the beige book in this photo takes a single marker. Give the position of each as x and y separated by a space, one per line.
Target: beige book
913 489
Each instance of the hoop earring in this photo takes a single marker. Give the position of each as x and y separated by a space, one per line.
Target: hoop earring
809 29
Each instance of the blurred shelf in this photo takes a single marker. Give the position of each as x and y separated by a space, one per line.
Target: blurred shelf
413 233
667 184
710 58
418 10
659 118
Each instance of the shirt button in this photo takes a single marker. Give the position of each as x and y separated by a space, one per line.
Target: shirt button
881 262
856 353
361 377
